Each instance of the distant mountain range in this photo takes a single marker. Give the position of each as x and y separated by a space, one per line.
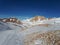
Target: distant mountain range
32 21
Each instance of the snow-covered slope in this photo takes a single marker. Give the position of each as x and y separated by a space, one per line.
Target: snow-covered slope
23 36
4 26
28 33
17 37
39 21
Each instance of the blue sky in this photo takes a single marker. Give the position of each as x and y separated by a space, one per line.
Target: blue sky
29 8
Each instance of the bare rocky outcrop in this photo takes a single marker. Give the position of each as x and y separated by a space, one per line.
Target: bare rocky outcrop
46 38
36 18
13 20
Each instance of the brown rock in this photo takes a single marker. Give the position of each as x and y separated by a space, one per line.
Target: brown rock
18 22
46 25
14 20
48 38
36 18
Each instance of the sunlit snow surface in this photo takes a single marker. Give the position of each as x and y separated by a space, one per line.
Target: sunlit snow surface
13 34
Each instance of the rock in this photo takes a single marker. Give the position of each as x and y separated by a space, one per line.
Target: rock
36 18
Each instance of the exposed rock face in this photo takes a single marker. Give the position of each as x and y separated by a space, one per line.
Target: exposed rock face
18 22
9 20
47 38
46 25
36 18
14 20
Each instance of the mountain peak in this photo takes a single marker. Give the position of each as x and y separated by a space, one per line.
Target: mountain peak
11 19
36 18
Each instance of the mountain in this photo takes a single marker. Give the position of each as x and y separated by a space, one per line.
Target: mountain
37 30
27 23
14 20
34 20
10 24
38 18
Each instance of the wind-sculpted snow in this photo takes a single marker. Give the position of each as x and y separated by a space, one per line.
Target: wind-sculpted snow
26 34
6 37
16 37
10 26
4 26
34 30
